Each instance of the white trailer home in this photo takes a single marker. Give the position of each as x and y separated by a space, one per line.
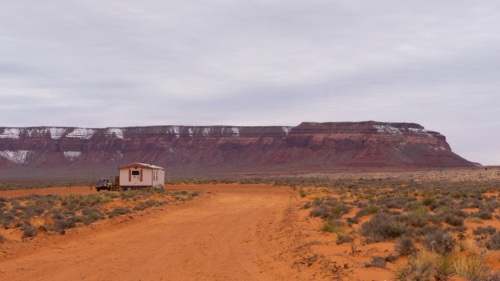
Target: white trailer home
136 175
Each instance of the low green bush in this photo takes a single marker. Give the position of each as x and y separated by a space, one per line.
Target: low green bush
494 242
439 241
382 227
119 211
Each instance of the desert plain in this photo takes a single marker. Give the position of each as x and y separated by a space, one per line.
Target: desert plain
441 224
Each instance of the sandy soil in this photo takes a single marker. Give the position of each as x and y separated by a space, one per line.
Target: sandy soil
232 232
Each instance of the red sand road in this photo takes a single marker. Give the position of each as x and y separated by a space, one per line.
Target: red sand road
229 233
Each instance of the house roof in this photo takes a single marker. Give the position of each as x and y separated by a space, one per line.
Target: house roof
142 165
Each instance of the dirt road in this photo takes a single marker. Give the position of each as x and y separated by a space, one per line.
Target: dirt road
230 233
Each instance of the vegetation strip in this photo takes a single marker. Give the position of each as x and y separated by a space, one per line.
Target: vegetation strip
55 213
443 228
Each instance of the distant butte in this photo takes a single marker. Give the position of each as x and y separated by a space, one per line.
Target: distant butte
196 151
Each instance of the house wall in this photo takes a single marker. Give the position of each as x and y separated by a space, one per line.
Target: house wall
145 177
139 176
160 178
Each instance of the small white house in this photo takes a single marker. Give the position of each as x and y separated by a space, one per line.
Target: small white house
136 175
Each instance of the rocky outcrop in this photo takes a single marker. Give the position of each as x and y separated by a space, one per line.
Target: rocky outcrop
197 150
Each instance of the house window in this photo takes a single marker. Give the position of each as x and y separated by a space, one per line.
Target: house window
135 173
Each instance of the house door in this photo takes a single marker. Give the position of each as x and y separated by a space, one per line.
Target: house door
136 177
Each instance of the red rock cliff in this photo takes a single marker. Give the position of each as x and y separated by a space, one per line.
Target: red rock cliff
191 150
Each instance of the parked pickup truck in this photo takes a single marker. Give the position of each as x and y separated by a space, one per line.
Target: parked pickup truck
103 184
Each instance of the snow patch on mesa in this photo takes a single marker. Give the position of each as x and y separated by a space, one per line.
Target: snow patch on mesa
18 157
174 130
57 133
439 148
420 132
10 133
118 132
387 129
81 133
36 132
72 155
206 131
235 132
286 129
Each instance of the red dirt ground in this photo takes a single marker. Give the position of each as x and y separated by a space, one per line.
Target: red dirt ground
232 232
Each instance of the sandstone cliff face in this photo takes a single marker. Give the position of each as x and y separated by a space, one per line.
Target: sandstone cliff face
309 147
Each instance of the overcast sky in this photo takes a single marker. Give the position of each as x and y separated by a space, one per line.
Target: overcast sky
106 63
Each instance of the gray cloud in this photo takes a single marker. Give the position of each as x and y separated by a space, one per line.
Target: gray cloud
254 63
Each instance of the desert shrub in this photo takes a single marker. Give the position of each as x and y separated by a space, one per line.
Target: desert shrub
308 205
56 213
399 202
413 206
485 214
322 212
435 219
343 237
484 230
302 193
439 204
470 203
31 211
459 213
381 228
28 230
416 220
337 211
6 219
372 209
439 241
61 225
129 195
95 199
351 221
148 204
91 215
153 203
119 211
473 266
444 267
367 210
377 262
333 225
360 204
453 220
425 230
428 200
492 204
405 246
494 242
460 229
16 211
185 195
420 267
